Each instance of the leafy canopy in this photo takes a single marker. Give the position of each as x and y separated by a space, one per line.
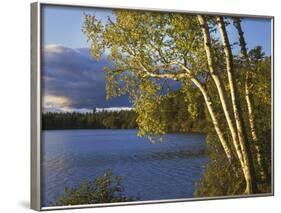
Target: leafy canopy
143 47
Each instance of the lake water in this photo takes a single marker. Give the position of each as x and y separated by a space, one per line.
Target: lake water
163 170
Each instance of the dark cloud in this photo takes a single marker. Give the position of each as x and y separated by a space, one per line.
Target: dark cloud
74 74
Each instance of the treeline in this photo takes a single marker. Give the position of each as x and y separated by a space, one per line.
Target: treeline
175 113
96 120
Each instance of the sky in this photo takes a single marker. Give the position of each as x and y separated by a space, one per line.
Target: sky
74 81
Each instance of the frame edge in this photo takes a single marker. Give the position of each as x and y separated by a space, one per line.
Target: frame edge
35 193
36 105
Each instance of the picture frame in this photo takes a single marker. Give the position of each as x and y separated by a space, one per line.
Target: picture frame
38 86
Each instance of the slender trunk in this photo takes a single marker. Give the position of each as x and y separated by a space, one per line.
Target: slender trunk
251 118
248 162
214 119
220 88
216 77
261 164
207 99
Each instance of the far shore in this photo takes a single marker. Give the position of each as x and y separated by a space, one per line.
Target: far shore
190 132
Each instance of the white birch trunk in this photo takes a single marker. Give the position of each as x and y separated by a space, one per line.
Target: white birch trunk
248 163
219 86
262 169
214 119
207 100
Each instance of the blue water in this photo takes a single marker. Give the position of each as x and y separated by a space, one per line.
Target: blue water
163 170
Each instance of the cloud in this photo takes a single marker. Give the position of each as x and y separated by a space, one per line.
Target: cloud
114 109
56 101
54 48
52 103
73 80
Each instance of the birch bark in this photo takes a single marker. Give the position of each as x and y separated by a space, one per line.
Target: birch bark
207 99
219 87
248 169
248 84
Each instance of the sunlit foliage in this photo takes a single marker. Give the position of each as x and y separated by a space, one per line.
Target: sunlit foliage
105 189
147 49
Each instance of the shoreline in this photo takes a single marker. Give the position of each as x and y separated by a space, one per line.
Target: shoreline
191 132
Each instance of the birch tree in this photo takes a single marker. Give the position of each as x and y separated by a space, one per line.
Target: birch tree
248 84
247 165
147 48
